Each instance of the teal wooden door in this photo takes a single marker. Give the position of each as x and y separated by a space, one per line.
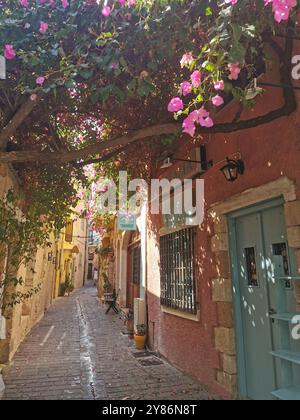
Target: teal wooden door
259 248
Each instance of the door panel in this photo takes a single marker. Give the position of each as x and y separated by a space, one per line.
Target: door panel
262 247
276 245
255 308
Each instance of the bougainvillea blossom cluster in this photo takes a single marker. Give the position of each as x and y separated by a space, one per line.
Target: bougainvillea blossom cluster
207 86
281 10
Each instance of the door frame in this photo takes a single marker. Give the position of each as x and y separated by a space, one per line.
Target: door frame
240 345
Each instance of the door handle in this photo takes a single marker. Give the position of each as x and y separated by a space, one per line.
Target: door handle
271 313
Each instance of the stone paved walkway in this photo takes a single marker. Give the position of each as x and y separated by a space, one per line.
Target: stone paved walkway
78 352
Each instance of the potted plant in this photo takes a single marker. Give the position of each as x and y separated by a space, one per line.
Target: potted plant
140 336
66 288
106 251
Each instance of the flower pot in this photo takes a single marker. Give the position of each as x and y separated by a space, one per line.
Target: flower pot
140 341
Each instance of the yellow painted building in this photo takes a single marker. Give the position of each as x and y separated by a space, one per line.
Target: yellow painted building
70 255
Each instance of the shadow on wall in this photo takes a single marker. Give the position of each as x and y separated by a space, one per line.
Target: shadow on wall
186 340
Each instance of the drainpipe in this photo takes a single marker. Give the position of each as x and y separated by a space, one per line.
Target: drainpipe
86 253
2 386
2 324
144 260
2 318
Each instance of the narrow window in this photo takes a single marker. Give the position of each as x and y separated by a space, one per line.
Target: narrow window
251 267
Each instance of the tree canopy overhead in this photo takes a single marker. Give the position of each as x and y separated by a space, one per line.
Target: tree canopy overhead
85 78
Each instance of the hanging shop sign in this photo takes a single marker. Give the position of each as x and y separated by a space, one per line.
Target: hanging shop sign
127 222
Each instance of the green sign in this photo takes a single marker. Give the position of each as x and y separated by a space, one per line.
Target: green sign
127 222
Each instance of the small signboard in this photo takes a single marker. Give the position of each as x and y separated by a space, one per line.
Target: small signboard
127 222
2 68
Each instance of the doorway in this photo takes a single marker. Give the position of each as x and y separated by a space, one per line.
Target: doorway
264 271
133 270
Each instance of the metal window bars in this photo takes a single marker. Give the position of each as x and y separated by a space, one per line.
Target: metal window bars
177 259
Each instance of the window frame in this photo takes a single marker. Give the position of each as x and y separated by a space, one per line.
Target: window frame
176 293
69 230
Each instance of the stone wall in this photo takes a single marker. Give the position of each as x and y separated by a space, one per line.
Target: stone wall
40 273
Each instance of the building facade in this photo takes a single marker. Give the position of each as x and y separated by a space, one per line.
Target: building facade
70 255
222 295
92 256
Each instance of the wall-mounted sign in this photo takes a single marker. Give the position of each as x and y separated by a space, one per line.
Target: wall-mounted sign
2 328
2 67
127 222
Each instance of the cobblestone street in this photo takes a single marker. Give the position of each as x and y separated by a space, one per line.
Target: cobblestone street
78 352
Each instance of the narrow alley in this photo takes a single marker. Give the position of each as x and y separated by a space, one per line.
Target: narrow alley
79 352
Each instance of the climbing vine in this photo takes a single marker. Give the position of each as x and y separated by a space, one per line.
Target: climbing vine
28 217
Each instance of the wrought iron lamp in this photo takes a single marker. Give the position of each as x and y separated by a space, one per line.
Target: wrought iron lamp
233 169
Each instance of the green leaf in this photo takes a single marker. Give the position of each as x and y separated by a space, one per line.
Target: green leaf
208 11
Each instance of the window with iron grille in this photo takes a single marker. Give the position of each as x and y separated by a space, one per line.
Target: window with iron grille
136 271
178 287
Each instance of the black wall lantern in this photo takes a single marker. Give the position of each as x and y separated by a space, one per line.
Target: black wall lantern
233 169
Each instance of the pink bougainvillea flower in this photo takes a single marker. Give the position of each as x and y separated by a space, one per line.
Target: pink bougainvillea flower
189 126
185 88
200 116
106 11
9 52
235 71
175 105
24 3
43 27
42 218
196 78
218 100
40 80
187 60
65 3
219 85
281 8
233 2
207 122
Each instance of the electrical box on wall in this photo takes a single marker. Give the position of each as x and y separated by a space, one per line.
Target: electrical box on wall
2 328
2 67
139 312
